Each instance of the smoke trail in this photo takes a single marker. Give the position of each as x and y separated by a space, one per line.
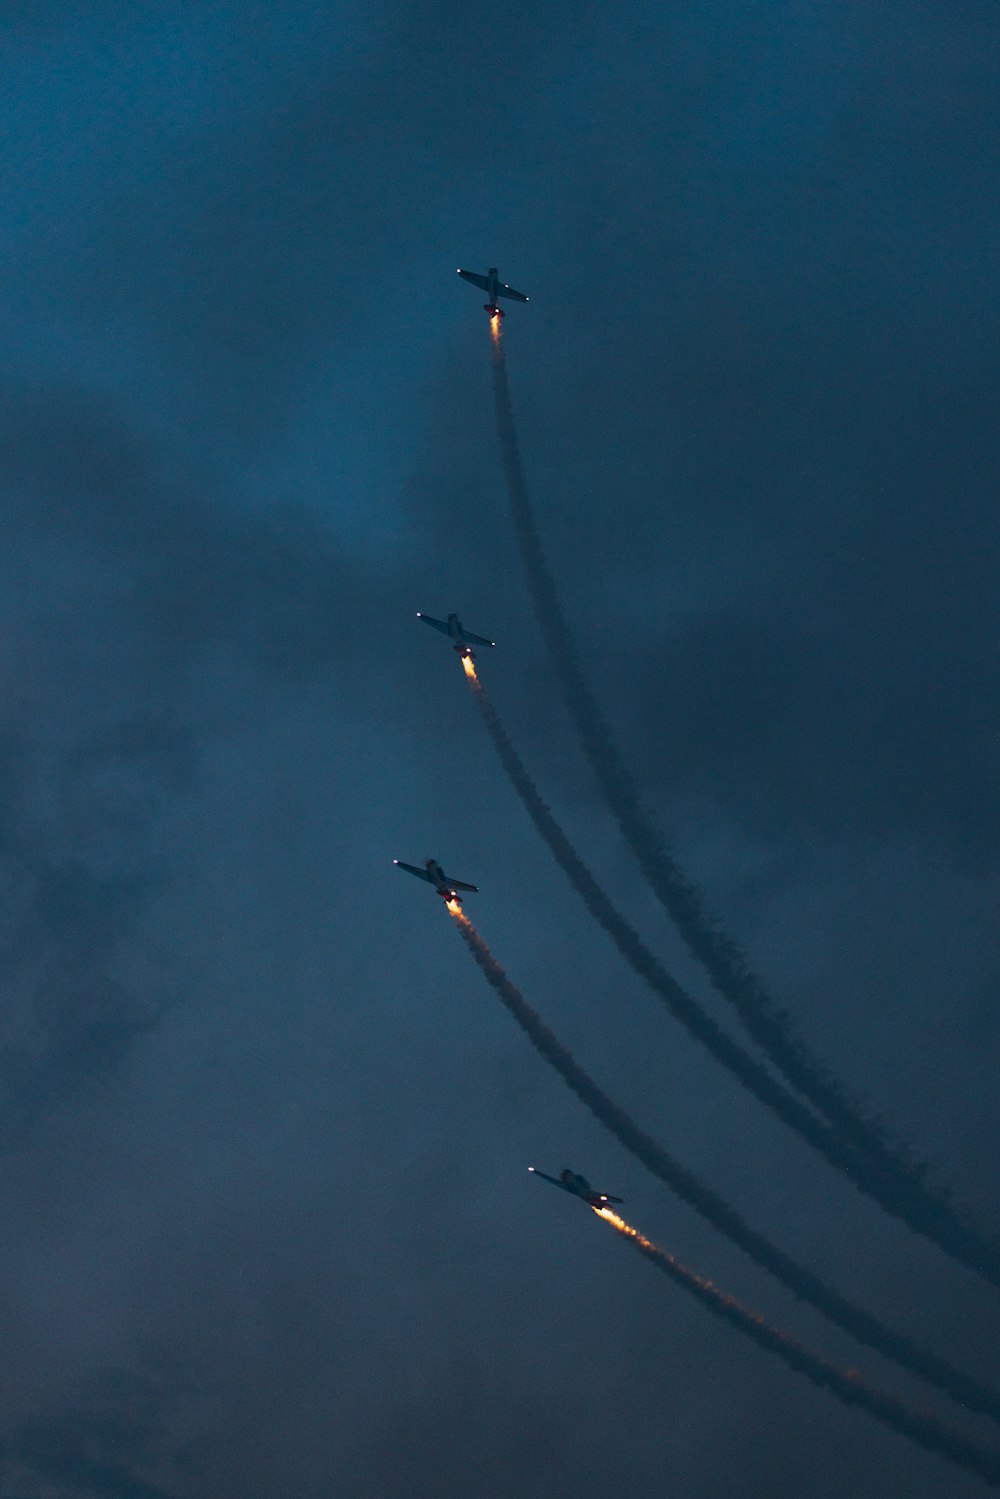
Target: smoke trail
845 1384
723 960
898 1174
800 1281
898 1198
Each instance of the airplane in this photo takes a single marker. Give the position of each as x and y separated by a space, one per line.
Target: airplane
494 289
463 639
578 1186
432 872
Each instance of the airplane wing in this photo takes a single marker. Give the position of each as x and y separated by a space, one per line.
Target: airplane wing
438 624
421 874
503 290
476 639
553 1179
613 1199
479 281
458 885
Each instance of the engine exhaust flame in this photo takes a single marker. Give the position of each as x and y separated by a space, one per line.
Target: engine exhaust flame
868 1329
610 1216
846 1385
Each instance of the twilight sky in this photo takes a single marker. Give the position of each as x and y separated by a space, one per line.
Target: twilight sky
266 1223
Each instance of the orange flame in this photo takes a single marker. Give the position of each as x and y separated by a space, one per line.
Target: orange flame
469 667
628 1232
495 327
454 907
623 1227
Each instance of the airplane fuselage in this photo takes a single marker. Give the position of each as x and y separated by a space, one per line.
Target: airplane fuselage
580 1187
457 634
432 872
577 1186
440 881
494 289
493 305
462 639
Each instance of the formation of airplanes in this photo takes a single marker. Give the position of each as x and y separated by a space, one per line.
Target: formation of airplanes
462 641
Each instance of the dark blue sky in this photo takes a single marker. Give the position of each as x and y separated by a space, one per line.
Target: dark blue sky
266 1223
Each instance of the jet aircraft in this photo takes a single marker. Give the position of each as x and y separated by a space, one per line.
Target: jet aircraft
463 639
578 1186
493 289
432 872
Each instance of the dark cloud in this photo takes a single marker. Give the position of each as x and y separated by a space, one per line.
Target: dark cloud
106 1447
265 1137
